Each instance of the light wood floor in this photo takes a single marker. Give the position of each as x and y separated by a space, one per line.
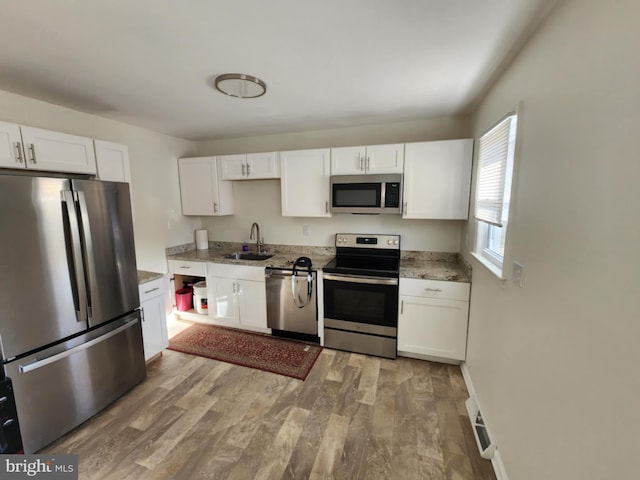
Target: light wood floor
355 417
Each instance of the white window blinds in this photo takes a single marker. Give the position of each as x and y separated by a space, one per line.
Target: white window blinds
492 168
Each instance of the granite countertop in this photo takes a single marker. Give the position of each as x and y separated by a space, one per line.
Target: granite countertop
413 264
144 276
281 259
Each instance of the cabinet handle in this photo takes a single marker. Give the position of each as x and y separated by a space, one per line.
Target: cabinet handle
215 207
142 314
152 290
248 169
433 290
185 266
32 147
401 307
404 210
326 207
18 153
243 169
366 164
361 161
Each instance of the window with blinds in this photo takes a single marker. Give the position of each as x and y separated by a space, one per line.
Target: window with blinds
493 192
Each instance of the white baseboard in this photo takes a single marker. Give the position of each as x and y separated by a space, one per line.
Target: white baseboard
496 460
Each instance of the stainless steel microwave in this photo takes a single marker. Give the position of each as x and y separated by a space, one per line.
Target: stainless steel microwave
366 193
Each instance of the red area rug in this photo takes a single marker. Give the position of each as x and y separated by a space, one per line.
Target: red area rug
264 352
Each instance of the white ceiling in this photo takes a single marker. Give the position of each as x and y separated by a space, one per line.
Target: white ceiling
326 63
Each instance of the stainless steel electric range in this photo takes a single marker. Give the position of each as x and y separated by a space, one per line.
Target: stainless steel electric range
361 294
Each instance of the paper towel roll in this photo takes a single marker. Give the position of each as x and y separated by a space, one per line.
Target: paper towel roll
202 239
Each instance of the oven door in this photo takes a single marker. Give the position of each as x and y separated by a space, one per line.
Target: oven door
370 304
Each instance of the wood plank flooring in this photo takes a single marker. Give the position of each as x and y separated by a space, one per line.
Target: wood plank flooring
354 417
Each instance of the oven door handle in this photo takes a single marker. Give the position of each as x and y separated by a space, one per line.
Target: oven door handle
360 279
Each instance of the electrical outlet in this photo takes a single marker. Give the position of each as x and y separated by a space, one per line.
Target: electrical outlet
305 230
518 274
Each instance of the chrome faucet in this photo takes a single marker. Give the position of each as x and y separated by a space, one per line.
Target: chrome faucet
255 229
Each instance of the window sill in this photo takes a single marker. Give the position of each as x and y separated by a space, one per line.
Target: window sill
493 268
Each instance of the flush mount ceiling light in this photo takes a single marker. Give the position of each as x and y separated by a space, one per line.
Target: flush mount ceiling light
240 85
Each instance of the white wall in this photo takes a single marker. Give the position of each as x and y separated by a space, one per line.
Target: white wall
154 171
555 363
260 200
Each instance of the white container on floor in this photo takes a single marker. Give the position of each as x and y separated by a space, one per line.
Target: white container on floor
200 298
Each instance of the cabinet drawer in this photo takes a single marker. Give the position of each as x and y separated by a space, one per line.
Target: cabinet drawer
434 289
183 267
151 289
238 272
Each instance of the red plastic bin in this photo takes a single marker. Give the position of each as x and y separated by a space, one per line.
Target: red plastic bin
184 299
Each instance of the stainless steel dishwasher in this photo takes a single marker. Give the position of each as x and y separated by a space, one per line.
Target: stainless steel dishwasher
292 309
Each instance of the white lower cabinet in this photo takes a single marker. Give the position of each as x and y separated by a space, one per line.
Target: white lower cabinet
433 318
154 318
237 296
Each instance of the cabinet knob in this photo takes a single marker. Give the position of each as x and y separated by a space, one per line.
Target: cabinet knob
215 207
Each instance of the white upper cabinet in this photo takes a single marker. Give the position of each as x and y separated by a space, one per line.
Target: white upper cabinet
11 154
305 183
60 152
251 166
437 179
201 190
112 160
367 160
38 149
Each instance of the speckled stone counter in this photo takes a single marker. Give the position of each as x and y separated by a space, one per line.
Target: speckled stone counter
144 276
283 255
449 267
413 264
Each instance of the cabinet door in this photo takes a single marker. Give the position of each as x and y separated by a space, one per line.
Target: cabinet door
305 183
11 154
437 179
222 300
263 165
252 301
154 326
233 167
385 158
432 327
348 160
201 191
60 152
112 160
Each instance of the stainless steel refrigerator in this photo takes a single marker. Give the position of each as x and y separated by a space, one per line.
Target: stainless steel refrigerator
70 332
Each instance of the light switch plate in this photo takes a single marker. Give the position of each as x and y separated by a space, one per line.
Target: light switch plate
518 274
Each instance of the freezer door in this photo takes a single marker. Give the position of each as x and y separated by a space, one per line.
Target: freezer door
109 251
39 295
59 388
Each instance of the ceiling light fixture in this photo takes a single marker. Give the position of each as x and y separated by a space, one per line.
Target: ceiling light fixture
240 85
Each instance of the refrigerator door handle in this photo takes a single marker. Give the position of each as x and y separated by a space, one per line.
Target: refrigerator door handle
87 244
30 367
78 285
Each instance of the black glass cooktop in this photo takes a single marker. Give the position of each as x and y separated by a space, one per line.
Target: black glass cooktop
364 265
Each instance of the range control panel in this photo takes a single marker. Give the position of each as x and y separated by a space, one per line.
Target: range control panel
358 240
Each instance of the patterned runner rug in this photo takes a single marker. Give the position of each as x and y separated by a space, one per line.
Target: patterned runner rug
255 350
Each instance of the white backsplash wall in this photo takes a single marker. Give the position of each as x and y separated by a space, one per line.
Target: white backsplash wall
259 201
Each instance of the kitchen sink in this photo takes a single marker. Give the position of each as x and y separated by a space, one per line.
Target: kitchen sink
248 256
